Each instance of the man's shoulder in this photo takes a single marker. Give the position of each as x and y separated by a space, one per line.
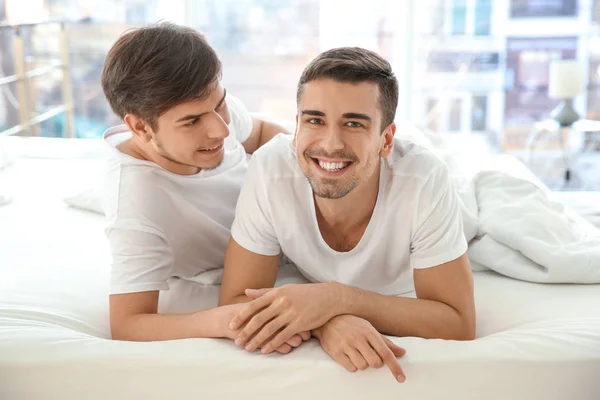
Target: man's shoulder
412 160
275 159
133 190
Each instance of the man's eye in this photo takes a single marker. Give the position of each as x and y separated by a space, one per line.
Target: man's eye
353 124
191 123
314 121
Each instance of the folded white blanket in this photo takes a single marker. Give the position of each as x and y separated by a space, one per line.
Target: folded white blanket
524 234
586 204
514 225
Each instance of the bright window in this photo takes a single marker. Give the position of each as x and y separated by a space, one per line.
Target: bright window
475 67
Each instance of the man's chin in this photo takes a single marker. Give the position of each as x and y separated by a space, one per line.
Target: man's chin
330 188
210 166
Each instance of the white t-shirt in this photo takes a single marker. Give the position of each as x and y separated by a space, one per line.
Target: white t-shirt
162 225
416 222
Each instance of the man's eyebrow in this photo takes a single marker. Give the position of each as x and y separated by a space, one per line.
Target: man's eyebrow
358 116
195 116
223 99
190 117
315 113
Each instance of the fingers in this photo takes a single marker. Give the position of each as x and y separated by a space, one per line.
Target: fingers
397 350
357 358
344 361
295 341
264 333
387 356
248 311
256 293
369 354
305 335
279 339
284 349
256 326
287 347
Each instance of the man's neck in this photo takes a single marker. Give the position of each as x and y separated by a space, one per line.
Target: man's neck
350 211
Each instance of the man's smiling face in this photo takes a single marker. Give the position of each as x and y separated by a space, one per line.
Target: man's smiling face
338 135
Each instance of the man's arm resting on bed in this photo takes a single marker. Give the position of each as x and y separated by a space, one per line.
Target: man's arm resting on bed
133 317
444 307
262 132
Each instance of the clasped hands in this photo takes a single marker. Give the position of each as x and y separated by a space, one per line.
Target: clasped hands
278 319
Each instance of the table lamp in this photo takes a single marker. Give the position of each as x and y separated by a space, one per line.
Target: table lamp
566 83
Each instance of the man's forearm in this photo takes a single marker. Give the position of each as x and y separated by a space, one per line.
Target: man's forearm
238 299
401 316
155 327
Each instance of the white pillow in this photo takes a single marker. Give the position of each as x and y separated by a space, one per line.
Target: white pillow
88 200
5 198
5 161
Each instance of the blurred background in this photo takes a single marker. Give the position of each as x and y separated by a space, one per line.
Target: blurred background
475 69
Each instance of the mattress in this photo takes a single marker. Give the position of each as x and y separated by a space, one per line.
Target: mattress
534 341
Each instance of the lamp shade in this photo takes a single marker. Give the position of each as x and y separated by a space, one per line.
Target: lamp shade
566 79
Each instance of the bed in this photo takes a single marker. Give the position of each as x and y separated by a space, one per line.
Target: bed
534 341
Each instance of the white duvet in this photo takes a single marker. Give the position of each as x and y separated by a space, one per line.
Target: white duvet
524 234
512 222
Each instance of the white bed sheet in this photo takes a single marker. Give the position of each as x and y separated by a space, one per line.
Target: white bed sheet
535 341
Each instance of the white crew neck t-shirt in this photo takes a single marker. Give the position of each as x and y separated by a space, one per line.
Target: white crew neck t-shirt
416 222
162 225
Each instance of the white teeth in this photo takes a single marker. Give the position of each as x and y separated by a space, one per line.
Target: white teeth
212 148
332 166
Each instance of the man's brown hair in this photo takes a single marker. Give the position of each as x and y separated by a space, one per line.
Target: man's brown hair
355 64
152 69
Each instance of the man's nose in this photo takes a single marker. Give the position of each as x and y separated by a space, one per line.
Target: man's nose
333 140
218 129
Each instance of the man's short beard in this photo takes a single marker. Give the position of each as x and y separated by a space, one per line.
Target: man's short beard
164 154
331 192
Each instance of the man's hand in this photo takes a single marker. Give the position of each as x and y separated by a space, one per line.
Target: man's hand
280 313
226 313
355 344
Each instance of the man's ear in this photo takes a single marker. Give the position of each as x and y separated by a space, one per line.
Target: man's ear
138 127
387 140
